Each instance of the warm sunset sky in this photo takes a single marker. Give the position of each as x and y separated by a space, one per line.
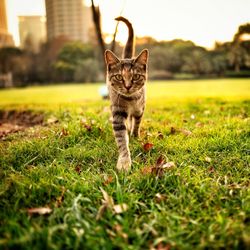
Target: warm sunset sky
202 21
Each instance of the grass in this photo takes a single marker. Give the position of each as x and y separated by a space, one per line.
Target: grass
202 203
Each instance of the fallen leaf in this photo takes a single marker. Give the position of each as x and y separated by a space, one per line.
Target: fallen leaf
64 132
160 135
85 124
60 199
162 246
52 120
148 146
160 161
101 211
108 203
119 231
88 127
107 180
107 200
160 197
168 165
39 210
146 170
208 159
172 130
158 171
199 124
211 169
120 208
185 132
78 169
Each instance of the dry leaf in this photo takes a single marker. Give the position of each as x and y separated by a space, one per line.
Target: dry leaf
185 132
60 199
78 169
148 146
211 169
146 170
160 161
52 120
160 135
208 159
108 203
120 208
108 200
85 124
162 246
101 211
160 197
39 210
158 171
172 130
119 231
168 165
107 180
64 132
199 124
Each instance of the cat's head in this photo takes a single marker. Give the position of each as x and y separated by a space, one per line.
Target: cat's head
126 76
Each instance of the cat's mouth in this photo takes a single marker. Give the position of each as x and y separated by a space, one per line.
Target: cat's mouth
125 92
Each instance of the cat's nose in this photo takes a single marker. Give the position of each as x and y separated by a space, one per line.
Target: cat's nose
128 87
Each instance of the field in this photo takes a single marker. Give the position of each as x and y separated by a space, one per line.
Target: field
188 187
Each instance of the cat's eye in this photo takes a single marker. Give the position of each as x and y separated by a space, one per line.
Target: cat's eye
118 77
136 77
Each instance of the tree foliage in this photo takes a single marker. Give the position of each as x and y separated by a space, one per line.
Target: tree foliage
63 60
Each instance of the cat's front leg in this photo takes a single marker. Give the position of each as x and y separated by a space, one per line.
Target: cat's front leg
136 127
122 140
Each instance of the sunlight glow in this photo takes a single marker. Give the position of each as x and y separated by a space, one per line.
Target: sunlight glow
203 22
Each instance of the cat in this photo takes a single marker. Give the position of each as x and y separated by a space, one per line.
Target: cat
126 79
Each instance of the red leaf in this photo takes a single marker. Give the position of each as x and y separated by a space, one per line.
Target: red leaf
148 146
78 169
160 161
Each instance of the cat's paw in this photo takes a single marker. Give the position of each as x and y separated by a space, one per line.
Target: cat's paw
124 164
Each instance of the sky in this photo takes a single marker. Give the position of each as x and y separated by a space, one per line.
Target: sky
202 21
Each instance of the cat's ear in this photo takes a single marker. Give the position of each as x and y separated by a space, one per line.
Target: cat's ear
110 57
143 57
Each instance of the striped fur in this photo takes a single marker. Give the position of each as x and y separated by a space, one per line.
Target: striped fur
126 80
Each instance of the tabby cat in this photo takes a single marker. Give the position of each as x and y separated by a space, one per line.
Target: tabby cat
126 79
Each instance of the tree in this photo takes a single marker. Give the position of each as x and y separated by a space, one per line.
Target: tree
72 57
237 55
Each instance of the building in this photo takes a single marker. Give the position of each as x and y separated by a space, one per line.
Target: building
70 19
5 38
32 31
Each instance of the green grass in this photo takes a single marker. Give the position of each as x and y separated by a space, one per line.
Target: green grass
204 200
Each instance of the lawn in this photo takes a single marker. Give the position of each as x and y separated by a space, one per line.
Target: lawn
189 184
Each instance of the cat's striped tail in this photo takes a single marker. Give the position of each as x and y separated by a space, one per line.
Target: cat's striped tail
129 47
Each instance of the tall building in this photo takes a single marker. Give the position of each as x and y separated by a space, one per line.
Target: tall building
32 31
5 38
68 18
